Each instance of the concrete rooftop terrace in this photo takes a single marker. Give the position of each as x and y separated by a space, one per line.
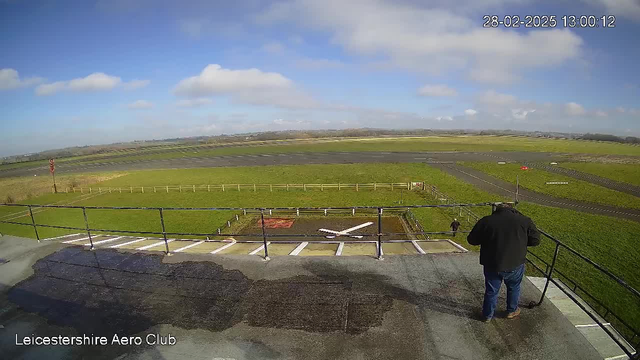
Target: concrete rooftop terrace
241 307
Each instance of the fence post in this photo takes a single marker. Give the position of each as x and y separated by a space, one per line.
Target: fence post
222 187
120 190
321 187
338 186
164 231
374 186
325 212
109 189
379 233
237 217
353 212
167 189
254 187
33 222
553 265
391 186
90 190
356 187
304 187
86 224
228 223
209 188
154 189
131 188
194 188
143 189
297 212
271 187
287 187
238 187
180 188
264 236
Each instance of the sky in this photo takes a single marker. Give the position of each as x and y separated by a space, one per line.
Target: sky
76 73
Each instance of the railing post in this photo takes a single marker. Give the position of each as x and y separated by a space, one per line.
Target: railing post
86 225
264 236
33 222
379 233
550 275
164 232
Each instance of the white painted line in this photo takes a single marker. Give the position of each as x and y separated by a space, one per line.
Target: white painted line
104 241
127 243
60 237
456 245
417 246
339 251
189 246
592 325
297 250
224 247
259 249
154 244
72 241
420 158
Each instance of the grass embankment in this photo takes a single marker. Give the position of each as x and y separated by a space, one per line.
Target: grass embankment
608 241
626 173
536 179
19 189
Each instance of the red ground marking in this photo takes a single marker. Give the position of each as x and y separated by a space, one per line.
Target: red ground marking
276 223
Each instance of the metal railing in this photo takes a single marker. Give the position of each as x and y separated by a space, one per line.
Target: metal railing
377 211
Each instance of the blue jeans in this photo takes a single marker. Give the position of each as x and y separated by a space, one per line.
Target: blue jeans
493 281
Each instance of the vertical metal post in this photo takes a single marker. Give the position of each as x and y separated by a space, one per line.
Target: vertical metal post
86 225
550 275
379 233
517 186
164 231
264 236
33 222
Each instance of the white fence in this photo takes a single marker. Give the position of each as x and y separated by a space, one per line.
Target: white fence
248 187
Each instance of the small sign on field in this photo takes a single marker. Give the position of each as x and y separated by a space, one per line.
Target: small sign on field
557 183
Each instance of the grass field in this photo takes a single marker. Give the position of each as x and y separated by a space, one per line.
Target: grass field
431 143
536 179
608 241
627 173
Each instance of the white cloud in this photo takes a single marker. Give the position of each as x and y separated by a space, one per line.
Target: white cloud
10 79
601 113
624 8
574 109
136 84
194 102
50 89
429 38
492 98
437 90
620 109
249 86
140 104
91 83
470 112
94 82
444 118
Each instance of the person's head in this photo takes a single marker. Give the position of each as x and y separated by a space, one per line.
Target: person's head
454 219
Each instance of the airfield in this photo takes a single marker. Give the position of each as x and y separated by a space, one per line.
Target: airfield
315 296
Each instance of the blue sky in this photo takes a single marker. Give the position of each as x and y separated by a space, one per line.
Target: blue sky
86 72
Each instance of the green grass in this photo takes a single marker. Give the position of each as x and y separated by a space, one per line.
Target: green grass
608 241
535 179
626 173
431 143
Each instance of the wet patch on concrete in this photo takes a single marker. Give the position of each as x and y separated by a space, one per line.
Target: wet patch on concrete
106 292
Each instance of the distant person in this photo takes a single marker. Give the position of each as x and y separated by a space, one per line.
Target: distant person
454 226
503 237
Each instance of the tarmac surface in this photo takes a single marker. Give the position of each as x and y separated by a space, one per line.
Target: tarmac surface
240 307
506 189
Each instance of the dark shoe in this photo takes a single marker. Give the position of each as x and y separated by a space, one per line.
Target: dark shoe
486 319
513 315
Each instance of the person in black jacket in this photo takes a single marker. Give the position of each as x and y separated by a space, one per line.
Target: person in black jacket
503 238
454 226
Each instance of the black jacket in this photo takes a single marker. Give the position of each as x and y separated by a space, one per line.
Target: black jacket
503 238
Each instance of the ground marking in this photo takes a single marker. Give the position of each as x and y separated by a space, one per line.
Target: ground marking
233 242
457 245
104 241
417 246
298 249
259 249
60 237
189 246
592 325
154 244
340 247
72 241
